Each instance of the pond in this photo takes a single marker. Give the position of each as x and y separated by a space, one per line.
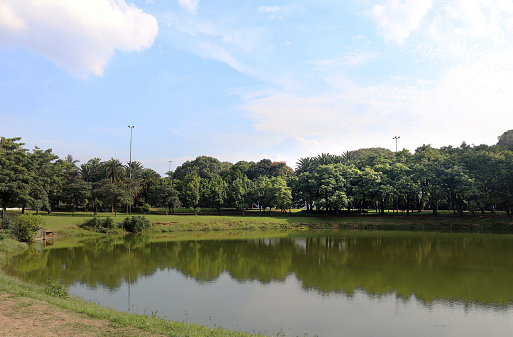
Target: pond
329 283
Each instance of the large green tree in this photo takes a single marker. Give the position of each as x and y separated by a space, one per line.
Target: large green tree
76 191
204 166
167 196
190 191
14 175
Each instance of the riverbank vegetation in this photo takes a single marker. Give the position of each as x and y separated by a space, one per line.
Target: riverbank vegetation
81 224
464 179
46 306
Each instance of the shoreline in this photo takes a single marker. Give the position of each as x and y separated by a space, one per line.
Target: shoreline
66 226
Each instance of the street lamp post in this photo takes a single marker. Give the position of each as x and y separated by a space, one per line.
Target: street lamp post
396 138
130 170
169 170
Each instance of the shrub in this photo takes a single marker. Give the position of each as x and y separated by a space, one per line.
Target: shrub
105 225
56 289
136 224
27 227
145 208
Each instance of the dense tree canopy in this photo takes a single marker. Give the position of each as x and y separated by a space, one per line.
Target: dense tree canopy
463 179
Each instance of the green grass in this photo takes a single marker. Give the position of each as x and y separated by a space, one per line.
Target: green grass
209 225
183 220
118 319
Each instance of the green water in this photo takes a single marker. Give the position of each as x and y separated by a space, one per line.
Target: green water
330 283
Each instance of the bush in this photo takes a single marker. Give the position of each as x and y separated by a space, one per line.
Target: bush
105 225
136 224
145 208
27 227
56 289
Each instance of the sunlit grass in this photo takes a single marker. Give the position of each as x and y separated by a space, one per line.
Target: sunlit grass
118 319
66 224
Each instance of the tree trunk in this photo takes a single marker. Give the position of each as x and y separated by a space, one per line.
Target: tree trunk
507 207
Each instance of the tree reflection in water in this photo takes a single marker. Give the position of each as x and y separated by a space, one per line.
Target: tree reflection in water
468 268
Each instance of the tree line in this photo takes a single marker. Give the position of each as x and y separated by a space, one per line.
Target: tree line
465 178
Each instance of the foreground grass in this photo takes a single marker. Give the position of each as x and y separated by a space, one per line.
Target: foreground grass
88 315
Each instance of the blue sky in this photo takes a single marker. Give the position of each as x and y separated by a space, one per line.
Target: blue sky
247 80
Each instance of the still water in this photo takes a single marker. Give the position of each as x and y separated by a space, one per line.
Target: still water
330 283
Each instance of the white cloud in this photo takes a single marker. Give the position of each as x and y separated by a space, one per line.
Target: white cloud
9 19
269 9
352 58
451 20
470 102
190 5
78 36
396 19
459 19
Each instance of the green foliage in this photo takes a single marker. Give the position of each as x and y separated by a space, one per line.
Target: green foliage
135 224
145 208
190 195
464 179
506 139
27 227
105 225
166 195
14 175
205 167
56 289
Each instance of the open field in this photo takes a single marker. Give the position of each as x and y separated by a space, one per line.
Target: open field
65 224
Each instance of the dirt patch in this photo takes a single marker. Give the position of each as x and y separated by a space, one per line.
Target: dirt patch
21 316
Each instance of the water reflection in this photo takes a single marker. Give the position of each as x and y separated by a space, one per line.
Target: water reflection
455 268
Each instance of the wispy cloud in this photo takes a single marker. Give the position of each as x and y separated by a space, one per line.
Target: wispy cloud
269 9
442 112
396 19
190 5
353 58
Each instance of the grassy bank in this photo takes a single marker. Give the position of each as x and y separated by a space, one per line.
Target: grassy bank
183 226
65 224
24 301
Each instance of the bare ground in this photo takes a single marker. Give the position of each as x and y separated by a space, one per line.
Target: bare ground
21 316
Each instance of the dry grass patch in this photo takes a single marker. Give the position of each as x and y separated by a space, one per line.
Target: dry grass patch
21 316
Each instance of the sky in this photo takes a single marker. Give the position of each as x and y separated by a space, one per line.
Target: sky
248 80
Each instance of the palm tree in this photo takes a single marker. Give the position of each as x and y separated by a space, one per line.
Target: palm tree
69 159
326 159
86 172
136 167
350 157
148 179
113 170
305 165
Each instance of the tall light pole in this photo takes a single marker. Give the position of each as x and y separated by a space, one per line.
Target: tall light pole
130 170
396 138
397 200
